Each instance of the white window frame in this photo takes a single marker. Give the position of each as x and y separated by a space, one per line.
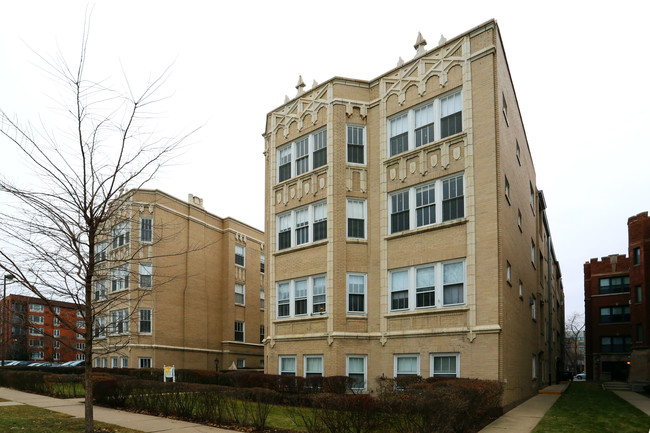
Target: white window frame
290 218
56 310
100 327
292 296
241 362
365 370
240 251
36 331
121 234
81 324
81 346
57 356
104 362
37 308
118 317
438 186
534 367
411 124
363 144
114 362
243 331
120 278
100 290
56 321
96 362
307 373
508 272
262 263
293 149
348 210
146 230
56 333
364 294
56 344
433 356
142 320
406 355
124 362
37 355
36 320
262 299
439 269
101 249
240 292
145 362
533 308
282 372
145 270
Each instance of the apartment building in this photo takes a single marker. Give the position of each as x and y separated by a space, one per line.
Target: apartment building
35 330
405 230
179 286
617 310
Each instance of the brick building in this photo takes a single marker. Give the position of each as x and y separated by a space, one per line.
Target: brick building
179 286
616 309
40 331
405 230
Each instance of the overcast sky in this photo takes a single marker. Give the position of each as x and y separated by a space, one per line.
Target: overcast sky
579 70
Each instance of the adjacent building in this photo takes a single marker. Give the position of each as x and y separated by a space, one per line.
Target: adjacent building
406 234
617 309
35 330
177 285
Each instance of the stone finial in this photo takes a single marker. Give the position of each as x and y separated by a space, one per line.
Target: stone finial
286 99
419 45
400 62
442 40
314 84
300 86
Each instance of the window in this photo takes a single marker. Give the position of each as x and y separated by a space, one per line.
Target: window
119 321
239 330
614 285
519 220
507 189
121 233
37 355
287 365
113 361
240 255
262 334
56 321
80 357
81 346
533 308
37 320
427 209
56 310
96 362
81 324
262 259
355 138
80 336
146 229
639 332
241 363
445 364
313 365
618 344
356 213
293 226
145 275
638 294
532 197
80 313
124 362
143 362
100 327
508 271
505 109
300 296
615 314
57 356
294 160
636 256
262 299
534 367
56 344
356 370
100 289
119 278
518 151
144 326
407 365
433 120
36 331
532 252
240 294
100 251
415 287
521 289
356 293
36 308
35 343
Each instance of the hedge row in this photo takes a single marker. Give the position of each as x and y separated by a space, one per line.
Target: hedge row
39 382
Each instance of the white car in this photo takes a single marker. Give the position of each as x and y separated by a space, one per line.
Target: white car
580 376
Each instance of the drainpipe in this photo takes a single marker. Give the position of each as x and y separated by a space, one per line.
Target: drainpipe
549 298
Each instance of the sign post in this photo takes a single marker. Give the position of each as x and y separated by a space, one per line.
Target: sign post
169 373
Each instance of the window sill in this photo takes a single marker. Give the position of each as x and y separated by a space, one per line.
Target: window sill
459 136
303 176
356 241
439 226
300 318
356 316
428 310
300 247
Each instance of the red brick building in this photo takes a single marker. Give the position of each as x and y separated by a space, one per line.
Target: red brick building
616 309
32 330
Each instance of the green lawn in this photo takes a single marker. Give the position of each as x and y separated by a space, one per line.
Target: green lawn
30 419
586 408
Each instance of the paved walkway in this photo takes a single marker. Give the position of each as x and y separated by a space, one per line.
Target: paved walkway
524 418
637 400
75 407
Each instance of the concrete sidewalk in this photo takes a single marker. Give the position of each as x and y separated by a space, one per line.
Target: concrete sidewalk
524 418
635 399
75 407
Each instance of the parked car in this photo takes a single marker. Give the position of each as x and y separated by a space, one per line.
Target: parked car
581 376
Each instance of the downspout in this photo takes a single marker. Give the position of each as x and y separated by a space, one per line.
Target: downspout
550 309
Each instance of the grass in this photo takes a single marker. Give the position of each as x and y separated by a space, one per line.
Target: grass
30 419
586 408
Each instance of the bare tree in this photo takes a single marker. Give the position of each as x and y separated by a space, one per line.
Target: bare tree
58 229
574 336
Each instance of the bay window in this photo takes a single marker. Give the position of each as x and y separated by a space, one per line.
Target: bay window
302 296
293 226
294 158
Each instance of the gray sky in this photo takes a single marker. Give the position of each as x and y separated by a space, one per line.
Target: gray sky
579 70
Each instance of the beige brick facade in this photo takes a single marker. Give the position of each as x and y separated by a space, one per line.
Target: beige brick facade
432 297
190 294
